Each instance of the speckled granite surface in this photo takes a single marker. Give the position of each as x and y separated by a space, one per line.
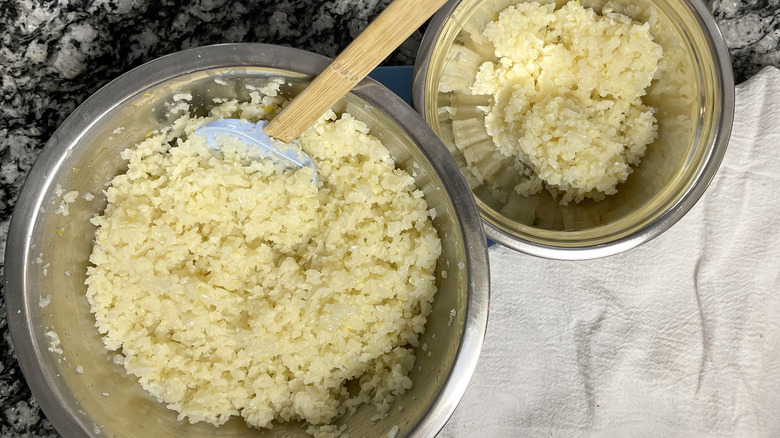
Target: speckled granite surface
55 54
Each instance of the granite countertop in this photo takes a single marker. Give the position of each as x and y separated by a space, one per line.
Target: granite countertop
53 55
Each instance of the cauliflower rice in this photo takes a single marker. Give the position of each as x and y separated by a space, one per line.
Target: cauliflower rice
566 96
234 286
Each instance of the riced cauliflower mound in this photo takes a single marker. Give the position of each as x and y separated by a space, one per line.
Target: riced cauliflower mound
234 286
566 96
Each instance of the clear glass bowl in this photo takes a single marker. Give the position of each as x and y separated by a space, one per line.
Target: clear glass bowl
694 96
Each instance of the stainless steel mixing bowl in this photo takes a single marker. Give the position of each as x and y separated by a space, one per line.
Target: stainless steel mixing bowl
694 95
47 253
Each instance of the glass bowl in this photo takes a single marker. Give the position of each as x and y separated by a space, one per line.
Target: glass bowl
693 92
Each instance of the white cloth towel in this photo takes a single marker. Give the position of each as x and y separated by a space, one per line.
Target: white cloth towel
677 338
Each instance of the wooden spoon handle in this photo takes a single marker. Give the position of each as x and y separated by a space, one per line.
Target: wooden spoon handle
374 44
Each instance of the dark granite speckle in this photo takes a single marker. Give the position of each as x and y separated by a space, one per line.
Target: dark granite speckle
751 29
55 54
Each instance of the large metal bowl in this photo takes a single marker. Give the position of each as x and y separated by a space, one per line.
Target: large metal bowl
47 254
694 96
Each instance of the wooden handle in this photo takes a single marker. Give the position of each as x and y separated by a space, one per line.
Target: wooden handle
374 44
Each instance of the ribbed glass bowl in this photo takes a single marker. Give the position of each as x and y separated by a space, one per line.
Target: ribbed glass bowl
694 95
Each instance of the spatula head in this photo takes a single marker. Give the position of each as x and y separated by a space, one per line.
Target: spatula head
253 136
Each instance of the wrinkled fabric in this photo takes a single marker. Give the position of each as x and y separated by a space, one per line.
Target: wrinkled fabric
679 337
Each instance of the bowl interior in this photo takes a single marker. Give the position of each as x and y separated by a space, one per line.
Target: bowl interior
49 263
686 92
